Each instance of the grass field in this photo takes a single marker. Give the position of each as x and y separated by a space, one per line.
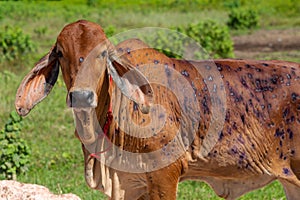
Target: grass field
57 160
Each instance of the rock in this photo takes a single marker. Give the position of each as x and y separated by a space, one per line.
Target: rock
13 190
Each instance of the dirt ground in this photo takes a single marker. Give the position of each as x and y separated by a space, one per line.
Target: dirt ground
268 43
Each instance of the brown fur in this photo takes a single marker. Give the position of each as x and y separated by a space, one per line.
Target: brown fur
257 144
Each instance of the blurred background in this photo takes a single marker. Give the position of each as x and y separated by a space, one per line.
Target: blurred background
42 149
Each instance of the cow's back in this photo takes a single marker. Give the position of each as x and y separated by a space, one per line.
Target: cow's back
261 121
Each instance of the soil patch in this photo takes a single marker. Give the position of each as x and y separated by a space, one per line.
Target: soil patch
266 41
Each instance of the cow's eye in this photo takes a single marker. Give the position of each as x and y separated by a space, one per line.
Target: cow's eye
59 54
81 59
104 53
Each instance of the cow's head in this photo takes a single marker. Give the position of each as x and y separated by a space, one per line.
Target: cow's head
86 58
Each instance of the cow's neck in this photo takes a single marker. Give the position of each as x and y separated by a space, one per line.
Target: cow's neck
104 99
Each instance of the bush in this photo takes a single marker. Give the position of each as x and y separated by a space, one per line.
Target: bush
165 41
14 43
92 3
213 37
15 153
110 31
243 18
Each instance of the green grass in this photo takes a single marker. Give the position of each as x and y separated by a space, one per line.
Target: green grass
57 160
193 190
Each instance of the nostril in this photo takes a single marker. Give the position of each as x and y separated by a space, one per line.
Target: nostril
72 99
90 97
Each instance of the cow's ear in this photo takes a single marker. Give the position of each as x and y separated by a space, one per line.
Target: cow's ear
38 83
132 83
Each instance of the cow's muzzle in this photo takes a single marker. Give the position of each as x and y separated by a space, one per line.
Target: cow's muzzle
82 99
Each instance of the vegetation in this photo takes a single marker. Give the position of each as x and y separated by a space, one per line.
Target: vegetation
243 18
208 38
14 43
57 160
212 36
15 153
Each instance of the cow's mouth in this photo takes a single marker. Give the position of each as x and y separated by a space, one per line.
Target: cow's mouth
88 128
86 124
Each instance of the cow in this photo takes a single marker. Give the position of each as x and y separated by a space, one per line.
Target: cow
142 134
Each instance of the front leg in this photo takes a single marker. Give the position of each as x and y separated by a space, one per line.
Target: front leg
163 183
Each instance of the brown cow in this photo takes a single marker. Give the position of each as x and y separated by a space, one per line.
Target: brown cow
255 143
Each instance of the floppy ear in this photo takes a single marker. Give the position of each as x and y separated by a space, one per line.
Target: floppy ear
38 83
132 83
